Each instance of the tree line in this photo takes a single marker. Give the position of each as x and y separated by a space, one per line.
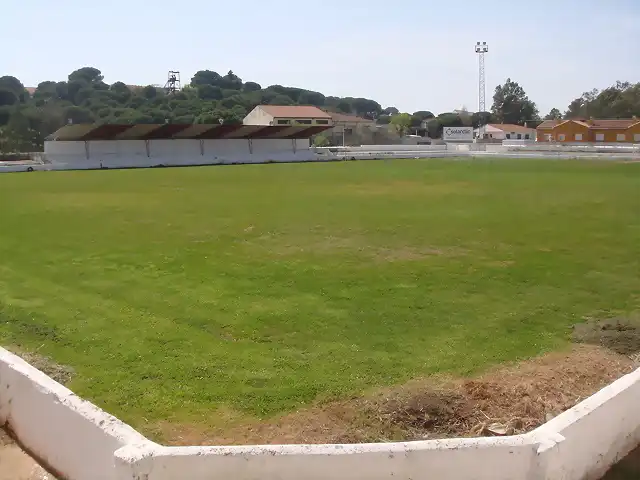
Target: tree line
26 119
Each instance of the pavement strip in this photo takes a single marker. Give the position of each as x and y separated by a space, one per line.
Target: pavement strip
17 465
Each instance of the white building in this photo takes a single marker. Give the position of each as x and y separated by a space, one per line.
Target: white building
505 131
283 115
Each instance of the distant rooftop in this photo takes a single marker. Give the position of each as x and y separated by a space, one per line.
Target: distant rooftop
297 111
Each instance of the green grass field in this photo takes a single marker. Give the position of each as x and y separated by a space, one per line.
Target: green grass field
179 293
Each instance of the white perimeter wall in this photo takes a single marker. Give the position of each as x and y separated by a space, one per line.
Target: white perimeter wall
149 153
133 153
81 442
478 459
73 437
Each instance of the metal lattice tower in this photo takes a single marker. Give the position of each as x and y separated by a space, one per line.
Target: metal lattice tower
173 82
481 49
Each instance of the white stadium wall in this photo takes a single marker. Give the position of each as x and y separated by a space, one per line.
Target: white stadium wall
78 441
174 152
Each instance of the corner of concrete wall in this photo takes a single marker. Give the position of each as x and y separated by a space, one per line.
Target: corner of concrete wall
64 432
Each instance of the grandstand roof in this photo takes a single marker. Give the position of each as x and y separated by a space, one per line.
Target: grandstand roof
172 131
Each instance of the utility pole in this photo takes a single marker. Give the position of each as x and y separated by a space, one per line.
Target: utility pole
481 49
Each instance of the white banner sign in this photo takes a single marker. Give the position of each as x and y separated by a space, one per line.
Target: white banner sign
457 134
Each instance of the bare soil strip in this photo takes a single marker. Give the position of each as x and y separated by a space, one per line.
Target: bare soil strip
17 465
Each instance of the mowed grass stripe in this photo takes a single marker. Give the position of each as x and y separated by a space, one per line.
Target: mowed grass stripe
259 289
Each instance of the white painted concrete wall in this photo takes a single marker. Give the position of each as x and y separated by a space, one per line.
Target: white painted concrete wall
597 433
178 152
81 442
72 155
479 459
70 435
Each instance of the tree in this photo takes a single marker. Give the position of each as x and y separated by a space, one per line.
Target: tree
7 97
311 98
478 119
554 114
281 100
206 77
420 116
364 106
401 123
78 115
18 136
15 86
231 81
621 100
209 92
321 141
344 107
511 104
391 111
251 87
149 92
86 75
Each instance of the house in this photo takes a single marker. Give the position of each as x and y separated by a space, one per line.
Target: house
505 131
281 115
348 124
590 131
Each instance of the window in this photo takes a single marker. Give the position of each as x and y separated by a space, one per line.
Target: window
322 122
527 136
599 137
578 137
304 122
519 136
348 131
284 122
561 137
621 137
636 137
508 136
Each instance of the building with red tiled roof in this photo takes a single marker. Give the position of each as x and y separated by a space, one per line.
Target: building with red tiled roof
287 115
590 131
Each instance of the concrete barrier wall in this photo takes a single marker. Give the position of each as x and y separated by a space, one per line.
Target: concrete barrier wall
71 436
480 459
587 439
395 148
81 442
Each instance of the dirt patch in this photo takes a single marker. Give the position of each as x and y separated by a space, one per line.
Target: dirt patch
507 400
60 373
17 465
620 334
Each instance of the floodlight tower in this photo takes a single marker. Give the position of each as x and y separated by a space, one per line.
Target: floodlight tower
481 49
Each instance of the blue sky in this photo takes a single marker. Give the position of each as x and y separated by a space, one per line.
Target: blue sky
412 54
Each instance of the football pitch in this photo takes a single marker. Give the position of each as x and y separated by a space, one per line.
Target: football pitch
213 294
